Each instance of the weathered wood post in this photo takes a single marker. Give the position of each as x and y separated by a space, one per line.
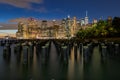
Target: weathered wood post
25 54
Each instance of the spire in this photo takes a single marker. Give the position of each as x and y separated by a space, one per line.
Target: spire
86 13
86 18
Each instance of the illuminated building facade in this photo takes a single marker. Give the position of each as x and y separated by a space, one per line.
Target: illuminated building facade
86 18
66 28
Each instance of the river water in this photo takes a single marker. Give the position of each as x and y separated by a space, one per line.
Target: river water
53 68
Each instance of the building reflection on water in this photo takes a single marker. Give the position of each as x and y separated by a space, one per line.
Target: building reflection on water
77 68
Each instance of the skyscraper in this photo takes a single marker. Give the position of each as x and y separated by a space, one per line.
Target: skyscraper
82 21
86 18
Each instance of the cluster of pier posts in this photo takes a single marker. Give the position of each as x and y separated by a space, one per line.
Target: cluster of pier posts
27 48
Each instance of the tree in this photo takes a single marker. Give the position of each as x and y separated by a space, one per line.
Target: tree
101 23
116 23
109 22
104 28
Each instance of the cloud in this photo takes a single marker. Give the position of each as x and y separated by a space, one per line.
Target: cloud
25 20
1 26
27 4
18 20
22 19
7 26
41 9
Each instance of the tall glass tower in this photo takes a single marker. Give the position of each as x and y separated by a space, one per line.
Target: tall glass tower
86 18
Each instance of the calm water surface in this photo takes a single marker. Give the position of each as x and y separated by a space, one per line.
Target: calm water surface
53 68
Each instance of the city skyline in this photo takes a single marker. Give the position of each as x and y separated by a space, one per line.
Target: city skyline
45 9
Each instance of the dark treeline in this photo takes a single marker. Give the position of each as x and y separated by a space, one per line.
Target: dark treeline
103 29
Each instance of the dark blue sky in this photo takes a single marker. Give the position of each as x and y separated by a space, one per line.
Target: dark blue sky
58 9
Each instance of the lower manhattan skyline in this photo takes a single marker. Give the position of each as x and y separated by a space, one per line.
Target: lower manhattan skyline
45 9
59 40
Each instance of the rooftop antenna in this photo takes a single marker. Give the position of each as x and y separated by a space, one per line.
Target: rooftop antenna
86 13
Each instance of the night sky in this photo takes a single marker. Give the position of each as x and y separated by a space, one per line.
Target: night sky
58 9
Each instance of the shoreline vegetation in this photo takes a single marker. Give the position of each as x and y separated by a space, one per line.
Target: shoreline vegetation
103 30
117 39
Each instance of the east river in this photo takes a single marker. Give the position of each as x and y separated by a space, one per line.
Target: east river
54 68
